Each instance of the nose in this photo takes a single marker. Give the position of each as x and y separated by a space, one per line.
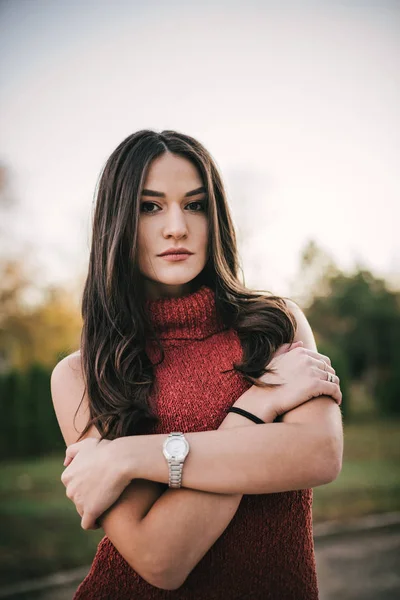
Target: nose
175 222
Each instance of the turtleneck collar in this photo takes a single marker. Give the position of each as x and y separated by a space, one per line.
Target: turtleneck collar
192 316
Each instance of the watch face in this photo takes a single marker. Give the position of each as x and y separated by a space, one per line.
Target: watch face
176 448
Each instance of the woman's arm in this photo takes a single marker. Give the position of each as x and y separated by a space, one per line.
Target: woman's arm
243 460
194 509
144 540
167 532
182 524
178 529
318 412
308 442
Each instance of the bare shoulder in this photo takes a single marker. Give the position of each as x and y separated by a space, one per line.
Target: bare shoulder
67 375
292 305
69 398
304 332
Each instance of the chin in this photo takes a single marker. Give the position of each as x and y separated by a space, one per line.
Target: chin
182 278
176 280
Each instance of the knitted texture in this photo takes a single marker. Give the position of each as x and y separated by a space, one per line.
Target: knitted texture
267 550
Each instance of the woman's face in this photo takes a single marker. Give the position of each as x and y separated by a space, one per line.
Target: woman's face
169 218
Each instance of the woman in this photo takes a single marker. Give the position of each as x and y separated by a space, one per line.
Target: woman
169 345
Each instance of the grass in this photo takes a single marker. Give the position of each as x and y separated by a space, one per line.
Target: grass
370 478
41 530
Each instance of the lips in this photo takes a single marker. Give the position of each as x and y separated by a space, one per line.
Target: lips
168 252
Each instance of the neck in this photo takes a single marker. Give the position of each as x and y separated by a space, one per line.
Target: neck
191 316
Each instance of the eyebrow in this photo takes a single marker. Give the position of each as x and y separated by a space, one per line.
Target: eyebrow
162 195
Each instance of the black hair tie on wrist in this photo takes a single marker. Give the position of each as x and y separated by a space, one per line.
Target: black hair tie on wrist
244 413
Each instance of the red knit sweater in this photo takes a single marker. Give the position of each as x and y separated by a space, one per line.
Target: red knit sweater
267 550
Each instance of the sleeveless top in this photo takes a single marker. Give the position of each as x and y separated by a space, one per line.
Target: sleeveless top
267 550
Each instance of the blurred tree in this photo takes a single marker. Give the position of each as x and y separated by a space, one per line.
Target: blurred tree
359 317
34 333
317 267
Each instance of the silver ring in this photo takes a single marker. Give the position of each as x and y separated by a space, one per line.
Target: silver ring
330 377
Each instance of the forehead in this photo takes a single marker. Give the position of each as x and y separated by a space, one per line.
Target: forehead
170 173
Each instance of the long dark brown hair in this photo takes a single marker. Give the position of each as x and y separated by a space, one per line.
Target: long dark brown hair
117 372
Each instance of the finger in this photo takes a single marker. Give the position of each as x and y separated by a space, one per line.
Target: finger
323 376
319 355
323 366
293 344
71 452
287 347
329 388
88 521
66 477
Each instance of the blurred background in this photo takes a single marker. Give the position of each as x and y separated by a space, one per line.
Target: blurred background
298 102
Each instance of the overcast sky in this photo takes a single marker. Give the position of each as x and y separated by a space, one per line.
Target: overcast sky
298 102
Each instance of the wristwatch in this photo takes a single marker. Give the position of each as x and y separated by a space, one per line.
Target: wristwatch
175 450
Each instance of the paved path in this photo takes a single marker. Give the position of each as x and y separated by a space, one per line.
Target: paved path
357 562
363 565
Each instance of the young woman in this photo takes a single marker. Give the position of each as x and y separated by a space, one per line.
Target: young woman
197 501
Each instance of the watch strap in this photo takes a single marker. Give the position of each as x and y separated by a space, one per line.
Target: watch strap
175 473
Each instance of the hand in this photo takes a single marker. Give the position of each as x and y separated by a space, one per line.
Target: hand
303 373
92 478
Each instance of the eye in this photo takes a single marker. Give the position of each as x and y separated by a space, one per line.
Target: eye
149 204
200 203
144 204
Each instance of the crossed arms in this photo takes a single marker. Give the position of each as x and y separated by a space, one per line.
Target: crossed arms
153 527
